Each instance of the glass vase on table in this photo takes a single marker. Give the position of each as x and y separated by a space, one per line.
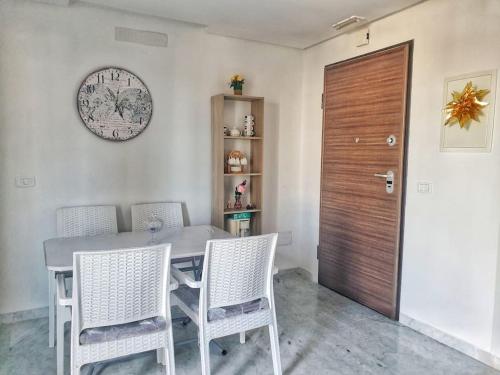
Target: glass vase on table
153 225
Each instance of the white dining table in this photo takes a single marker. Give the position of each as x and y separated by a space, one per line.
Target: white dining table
186 242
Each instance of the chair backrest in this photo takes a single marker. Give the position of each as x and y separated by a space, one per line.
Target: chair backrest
120 286
86 221
238 270
169 212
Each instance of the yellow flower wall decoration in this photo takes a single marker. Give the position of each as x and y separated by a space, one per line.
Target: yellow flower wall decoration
465 106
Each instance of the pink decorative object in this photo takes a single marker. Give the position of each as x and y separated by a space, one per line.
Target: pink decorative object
238 192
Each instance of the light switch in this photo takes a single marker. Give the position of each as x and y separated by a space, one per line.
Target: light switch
25 181
424 187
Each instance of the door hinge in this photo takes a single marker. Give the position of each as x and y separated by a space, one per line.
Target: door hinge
317 252
322 101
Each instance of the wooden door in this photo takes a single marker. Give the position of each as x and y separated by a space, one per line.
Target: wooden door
365 103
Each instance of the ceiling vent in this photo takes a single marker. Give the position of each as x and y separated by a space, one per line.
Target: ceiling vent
148 38
64 3
348 21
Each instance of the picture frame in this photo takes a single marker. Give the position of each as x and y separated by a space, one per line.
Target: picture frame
477 136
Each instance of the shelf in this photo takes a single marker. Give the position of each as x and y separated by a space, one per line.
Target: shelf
244 138
242 98
222 178
241 174
229 211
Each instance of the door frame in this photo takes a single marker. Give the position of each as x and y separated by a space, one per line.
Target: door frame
406 127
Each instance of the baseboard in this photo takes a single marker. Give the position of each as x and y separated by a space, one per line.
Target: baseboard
19 316
453 342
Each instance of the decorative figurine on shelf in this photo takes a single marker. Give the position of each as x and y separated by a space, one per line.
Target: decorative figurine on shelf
229 205
249 123
234 132
251 206
236 83
236 160
238 192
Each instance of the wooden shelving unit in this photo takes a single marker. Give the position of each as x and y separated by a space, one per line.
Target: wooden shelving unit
245 138
232 211
254 172
241 174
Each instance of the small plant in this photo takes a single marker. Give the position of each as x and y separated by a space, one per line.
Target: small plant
236 83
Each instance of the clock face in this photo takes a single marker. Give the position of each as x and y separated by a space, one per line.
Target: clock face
114 104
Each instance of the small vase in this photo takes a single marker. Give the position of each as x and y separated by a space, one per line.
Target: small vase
237 202
238 91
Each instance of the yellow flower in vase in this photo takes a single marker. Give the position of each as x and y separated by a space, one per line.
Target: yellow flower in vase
236 83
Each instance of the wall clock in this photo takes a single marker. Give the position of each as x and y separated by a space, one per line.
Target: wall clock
114 104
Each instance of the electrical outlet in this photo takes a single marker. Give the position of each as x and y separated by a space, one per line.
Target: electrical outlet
25 181
285 238
424 187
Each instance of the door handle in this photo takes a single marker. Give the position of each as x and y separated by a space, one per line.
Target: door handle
389 180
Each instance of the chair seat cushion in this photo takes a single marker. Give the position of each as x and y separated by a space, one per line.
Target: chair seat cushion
191 297
122 331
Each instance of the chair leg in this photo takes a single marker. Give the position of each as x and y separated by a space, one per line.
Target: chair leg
275 348
159 356
74 368
205 355
52 301
242 337
169 354
60 339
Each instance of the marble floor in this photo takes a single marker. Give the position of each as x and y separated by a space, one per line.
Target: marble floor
321 332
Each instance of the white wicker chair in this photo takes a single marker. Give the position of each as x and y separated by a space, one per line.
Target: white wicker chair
171 215
235 293
121 305
86 221
74 222
169 212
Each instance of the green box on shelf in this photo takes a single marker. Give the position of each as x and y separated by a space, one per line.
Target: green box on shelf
242 216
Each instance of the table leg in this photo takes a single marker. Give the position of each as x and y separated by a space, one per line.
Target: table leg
198 268
52 300
193 264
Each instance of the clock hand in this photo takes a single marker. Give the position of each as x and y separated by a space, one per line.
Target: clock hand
116 100
117 107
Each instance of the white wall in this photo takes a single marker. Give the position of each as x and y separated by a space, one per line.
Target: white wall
495 340
452 235
45 52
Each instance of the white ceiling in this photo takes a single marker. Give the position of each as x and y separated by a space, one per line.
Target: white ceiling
293 23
